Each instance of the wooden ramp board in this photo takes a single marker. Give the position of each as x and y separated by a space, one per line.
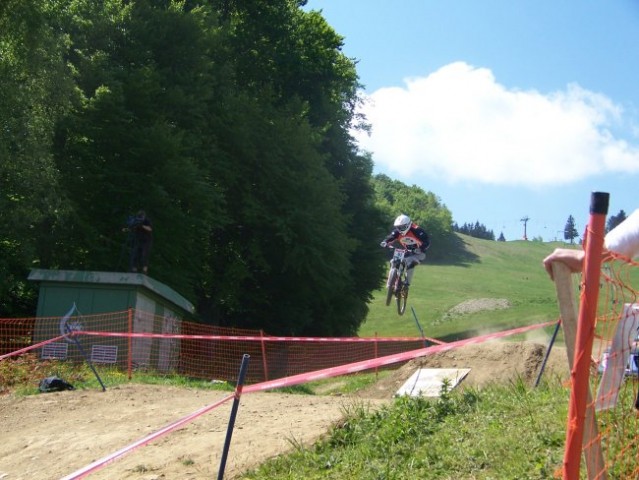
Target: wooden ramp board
427 382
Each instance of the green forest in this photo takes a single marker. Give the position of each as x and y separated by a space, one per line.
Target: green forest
229 123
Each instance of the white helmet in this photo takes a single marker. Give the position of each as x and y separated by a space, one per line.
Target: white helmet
402 223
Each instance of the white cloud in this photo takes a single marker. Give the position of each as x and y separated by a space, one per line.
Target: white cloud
460 124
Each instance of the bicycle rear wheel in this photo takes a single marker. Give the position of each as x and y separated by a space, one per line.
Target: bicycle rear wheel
390 290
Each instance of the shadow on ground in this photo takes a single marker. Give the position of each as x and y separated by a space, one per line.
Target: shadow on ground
452 250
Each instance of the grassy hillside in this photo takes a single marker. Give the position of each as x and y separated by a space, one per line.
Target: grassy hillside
471 268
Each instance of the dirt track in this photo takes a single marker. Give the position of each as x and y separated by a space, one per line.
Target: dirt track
50 436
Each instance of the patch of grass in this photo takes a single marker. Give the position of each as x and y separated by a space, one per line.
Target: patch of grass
341 385
22 376
302 389
500 432
150 378
346 384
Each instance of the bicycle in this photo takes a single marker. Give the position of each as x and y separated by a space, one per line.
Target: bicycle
396 284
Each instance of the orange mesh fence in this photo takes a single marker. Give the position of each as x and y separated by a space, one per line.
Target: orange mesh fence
614 374
135 340
601 431
15 334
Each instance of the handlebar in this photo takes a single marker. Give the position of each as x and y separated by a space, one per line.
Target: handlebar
392 247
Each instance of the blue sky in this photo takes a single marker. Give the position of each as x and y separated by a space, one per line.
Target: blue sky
503 109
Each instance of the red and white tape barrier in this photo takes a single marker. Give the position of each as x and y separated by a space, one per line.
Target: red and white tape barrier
103 462
387 360
255 338
298 379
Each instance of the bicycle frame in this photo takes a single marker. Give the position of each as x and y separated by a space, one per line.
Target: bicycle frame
397 280
398 263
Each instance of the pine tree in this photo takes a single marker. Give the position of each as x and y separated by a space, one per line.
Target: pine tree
570 230
615 220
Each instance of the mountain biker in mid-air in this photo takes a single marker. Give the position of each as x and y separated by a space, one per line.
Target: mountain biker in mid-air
413 238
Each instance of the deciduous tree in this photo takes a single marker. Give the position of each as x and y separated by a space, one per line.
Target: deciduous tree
35 90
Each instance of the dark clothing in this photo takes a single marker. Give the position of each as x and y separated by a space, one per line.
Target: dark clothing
415 239
142 239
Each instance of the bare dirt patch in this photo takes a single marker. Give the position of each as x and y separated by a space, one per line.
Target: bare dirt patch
478 305
49 436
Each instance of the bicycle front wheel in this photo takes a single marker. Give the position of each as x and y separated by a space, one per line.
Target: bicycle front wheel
402 300
390 289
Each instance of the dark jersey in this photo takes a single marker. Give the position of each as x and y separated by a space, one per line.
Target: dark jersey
142 235
415 238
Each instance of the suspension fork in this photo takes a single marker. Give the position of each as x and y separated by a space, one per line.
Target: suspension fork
394 267
390 274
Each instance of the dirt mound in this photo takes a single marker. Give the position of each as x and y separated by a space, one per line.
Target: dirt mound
490 362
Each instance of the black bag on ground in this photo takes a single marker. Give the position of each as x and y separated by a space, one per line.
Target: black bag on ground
54 384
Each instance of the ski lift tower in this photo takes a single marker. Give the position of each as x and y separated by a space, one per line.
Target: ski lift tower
525 221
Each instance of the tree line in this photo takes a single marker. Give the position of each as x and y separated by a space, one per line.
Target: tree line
477 230
228 123
571 232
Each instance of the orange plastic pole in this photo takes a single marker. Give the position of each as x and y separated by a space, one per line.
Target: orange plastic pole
588 301
375 343
129 361
264 362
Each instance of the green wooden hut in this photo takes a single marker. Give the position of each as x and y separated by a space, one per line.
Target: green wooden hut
130 302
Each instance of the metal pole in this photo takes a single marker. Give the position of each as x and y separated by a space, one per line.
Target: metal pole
86 357
236 403
70 333
552 342
419 326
